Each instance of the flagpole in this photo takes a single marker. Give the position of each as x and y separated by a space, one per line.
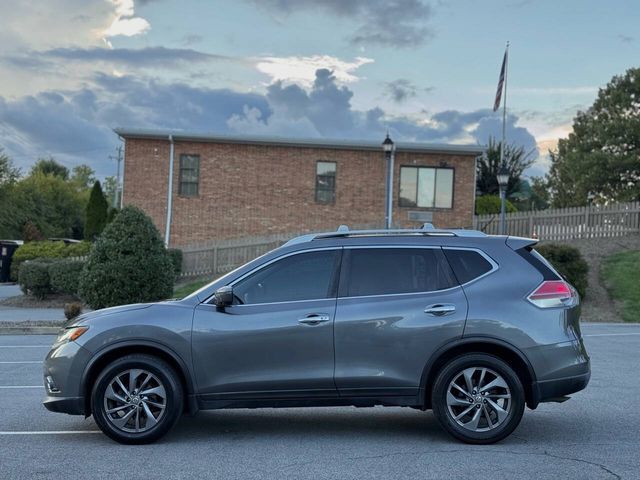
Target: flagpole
502 169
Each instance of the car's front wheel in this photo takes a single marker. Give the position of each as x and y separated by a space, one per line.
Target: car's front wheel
137 399
478 398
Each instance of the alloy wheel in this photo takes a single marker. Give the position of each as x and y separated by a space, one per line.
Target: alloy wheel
479 399
135 401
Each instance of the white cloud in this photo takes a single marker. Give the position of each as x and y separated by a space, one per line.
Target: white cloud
125 23
302 70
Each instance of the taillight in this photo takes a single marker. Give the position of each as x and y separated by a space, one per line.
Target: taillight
553 293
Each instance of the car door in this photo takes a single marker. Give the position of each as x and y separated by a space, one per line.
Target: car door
396 306
276 340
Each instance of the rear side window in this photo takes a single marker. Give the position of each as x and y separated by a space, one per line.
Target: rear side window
467 264
384 271
540 263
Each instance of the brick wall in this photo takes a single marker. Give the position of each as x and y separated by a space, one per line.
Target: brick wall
248 190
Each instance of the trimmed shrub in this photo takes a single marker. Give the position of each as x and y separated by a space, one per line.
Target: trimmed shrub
72 310
127 264
568 261
46 249
96 213
34 278
64 275
487 204
176 260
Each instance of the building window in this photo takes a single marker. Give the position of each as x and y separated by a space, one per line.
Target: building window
326 182
189 175
427 187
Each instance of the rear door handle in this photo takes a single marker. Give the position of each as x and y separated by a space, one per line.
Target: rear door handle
440 309
314 319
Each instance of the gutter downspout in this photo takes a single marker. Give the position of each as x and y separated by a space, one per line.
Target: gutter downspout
167 231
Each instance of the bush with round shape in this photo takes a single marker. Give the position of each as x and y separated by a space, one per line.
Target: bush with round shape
569 263
72 310
490 204
64 275
127 264
33 278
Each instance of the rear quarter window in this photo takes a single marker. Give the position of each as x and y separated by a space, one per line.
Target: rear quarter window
467 265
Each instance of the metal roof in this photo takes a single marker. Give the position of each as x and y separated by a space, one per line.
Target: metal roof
180 135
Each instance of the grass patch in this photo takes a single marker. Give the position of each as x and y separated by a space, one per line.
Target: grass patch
621 275
181 291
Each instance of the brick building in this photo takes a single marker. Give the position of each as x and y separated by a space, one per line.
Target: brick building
231 187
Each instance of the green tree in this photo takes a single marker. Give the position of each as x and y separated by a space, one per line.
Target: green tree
540 195
516 161
83 176
110 189
128 263
490 204
49 166
602 153
96 213
9 174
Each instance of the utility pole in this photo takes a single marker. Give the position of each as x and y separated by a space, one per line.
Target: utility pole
116 193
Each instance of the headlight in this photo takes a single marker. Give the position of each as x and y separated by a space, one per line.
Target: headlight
71 334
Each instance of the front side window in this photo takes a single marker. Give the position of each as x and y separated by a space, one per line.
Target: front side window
304 276
189 175
427 187
383 271
326 182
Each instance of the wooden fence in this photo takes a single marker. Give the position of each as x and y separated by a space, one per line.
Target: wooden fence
553 224
567 223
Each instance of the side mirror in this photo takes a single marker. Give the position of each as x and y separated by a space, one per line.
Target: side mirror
223 297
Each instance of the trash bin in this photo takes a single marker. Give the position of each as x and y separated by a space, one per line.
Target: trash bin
7 247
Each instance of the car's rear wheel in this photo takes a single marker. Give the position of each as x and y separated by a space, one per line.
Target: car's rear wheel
478 398
137 399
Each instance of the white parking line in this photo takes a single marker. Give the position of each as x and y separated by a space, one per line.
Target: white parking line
55 432
25 346
611 334
26 361
21 386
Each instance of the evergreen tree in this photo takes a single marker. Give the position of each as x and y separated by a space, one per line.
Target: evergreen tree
96 213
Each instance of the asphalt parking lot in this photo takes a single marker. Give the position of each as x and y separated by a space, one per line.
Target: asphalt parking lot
594 435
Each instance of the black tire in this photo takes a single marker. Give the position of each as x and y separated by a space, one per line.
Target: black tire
164 375
441 410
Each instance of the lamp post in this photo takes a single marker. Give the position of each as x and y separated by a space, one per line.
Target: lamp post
389 149
503 181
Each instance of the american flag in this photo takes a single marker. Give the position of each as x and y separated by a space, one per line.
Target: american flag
496 104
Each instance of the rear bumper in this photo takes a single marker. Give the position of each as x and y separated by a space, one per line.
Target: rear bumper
548 390
70 405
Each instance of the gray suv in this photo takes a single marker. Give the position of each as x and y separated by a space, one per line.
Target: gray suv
472 326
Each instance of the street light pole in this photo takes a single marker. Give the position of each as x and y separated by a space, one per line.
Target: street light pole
389 149
503 181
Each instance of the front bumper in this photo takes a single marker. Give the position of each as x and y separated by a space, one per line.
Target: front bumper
62 375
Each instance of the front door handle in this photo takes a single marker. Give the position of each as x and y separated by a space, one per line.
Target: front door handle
440 309
314 319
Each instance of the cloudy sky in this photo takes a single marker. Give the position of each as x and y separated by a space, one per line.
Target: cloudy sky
71 70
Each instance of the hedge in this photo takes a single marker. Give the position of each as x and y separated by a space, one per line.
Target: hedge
34 278
568 261
46 249
487 204
64 275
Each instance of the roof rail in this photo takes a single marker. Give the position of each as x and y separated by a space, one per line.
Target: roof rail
427 229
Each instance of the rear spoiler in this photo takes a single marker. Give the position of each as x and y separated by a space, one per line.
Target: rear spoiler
517 243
